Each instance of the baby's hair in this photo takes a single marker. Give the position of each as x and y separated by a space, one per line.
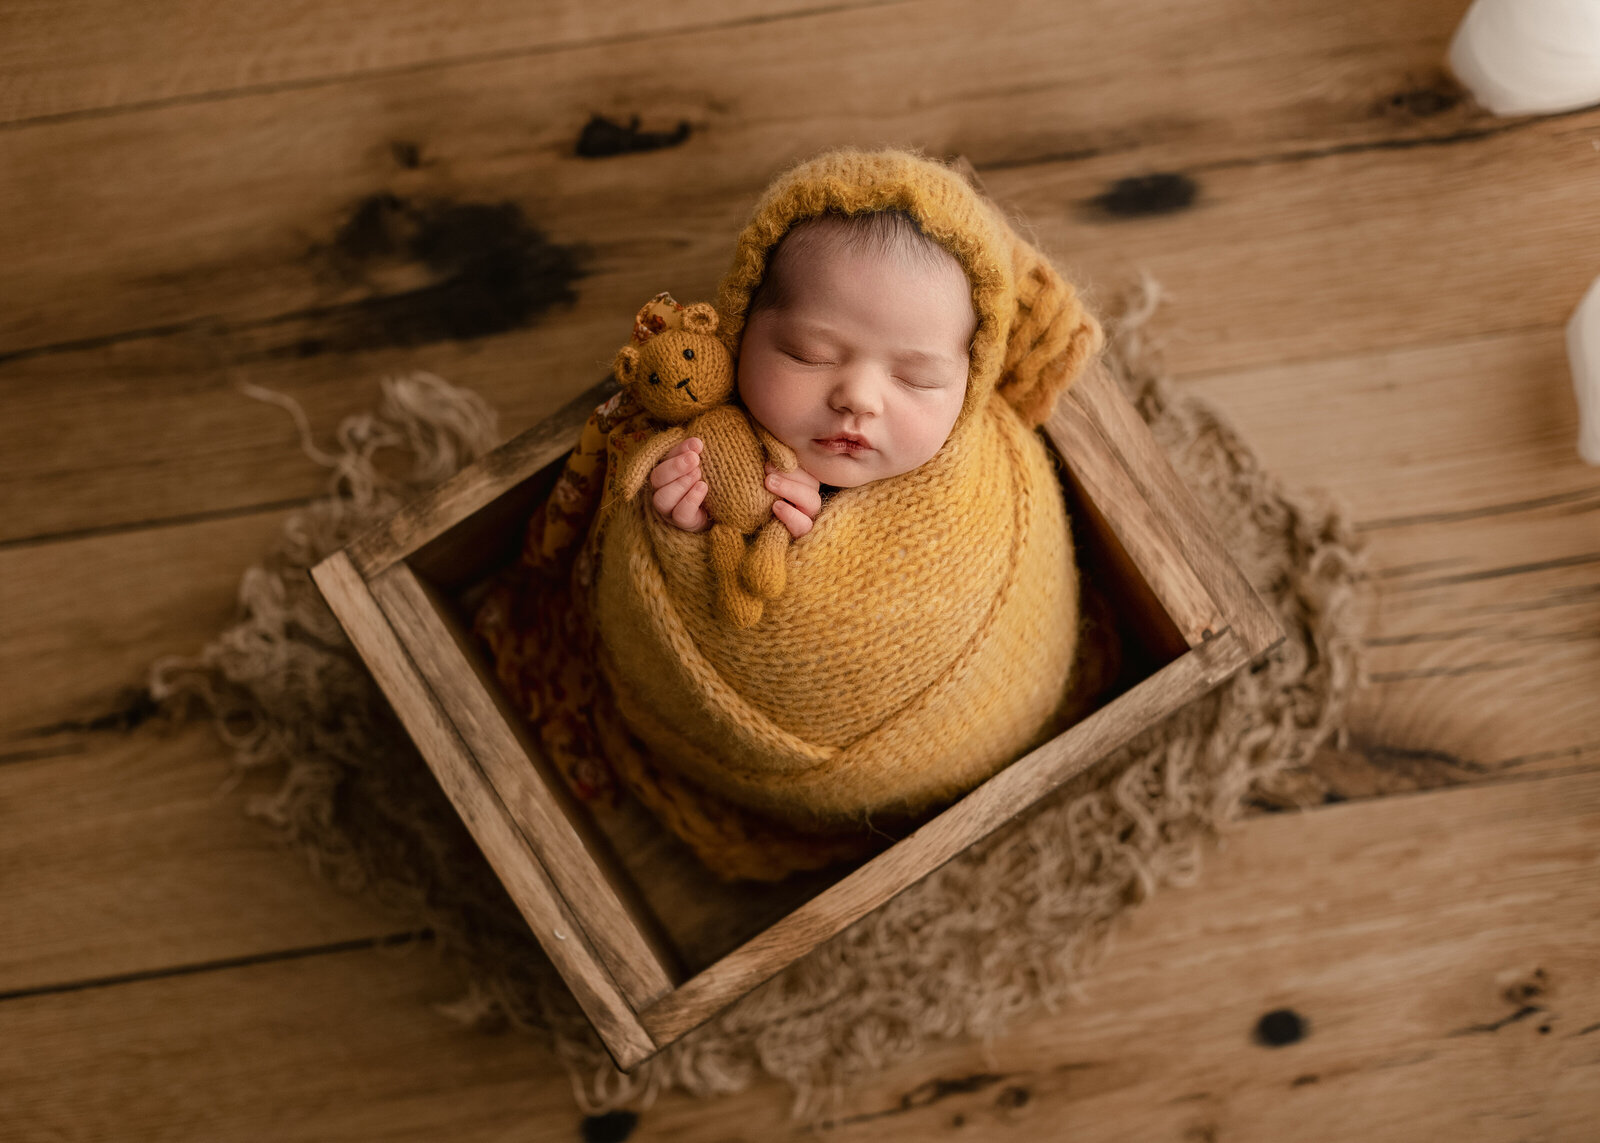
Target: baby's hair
891 232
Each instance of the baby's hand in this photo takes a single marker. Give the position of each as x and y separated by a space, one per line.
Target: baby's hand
800 498
680 491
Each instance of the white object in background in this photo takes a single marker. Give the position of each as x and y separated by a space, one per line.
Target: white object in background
1520 57
1583 352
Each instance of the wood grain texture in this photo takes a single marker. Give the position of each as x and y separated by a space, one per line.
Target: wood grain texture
1097 459
1483 529
144 863
1422 436
77 57
276 291
1492 667
702 917
151 388
1408 935
552 921
507 763
968 821
1294 220
1180 513
760 96
1440 962
346 1046
81 622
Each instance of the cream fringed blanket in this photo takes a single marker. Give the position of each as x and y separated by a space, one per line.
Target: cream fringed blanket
993 937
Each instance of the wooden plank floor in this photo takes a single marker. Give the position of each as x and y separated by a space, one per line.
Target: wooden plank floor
1369 273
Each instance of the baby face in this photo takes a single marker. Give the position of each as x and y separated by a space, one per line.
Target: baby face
863 368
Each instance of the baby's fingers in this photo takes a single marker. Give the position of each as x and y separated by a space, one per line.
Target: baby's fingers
683 460
671 494
804 494
792 518
688 515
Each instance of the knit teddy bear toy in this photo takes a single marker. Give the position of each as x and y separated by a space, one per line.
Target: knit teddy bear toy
682 375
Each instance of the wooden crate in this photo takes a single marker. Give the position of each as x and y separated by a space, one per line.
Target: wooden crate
651 944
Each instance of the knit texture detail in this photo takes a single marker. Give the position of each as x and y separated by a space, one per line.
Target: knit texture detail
1052 338
924 639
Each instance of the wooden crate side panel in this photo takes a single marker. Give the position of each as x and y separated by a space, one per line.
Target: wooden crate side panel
434 513
974 817
1086 447
474 549
1175 506
1104 566
614 929
553 924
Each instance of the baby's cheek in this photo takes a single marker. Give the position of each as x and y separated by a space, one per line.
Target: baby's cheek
773 402
925 431
755 392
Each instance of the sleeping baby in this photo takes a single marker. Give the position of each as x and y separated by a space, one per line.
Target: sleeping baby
854 355
890 329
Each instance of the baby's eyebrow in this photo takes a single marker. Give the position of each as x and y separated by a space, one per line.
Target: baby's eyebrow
909 355
928 356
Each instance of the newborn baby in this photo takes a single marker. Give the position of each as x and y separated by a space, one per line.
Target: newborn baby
855 355
892 330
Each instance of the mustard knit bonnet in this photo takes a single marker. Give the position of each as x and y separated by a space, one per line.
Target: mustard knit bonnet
1033 334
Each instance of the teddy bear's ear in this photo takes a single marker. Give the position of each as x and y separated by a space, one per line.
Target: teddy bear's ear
700 318
626 365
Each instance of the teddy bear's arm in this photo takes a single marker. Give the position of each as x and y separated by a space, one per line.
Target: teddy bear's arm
637 468
781 455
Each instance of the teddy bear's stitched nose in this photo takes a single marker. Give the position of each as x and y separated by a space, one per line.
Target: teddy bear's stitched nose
684 385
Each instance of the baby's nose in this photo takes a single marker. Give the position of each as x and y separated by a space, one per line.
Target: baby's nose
857 393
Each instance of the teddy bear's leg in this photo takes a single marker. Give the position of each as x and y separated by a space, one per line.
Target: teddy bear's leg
736 605
764 570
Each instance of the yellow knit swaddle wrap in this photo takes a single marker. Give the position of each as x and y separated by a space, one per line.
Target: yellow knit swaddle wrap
930 620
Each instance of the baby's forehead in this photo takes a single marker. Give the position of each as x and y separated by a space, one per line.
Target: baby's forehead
816 240
814 248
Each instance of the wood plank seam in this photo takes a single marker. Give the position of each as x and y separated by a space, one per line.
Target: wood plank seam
495 55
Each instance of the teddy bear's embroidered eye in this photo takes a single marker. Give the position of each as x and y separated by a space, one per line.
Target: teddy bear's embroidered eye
688 355
655 378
